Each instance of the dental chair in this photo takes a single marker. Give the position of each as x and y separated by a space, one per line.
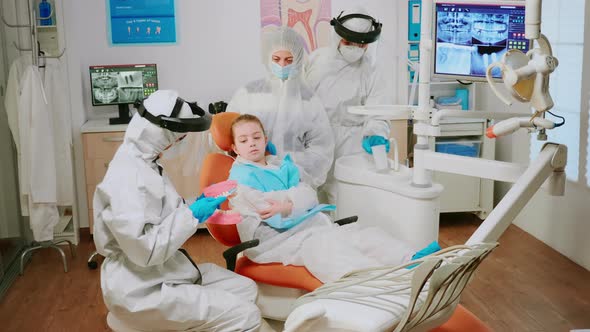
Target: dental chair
278 285
281 286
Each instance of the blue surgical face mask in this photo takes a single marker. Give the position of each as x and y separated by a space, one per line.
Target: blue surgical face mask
281 72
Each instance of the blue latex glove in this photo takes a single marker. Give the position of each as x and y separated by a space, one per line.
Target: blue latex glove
204 207
429 249
271 148
370 141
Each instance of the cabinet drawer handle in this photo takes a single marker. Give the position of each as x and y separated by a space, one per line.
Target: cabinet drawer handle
112 139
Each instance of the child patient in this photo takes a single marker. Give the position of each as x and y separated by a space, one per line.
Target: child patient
284 214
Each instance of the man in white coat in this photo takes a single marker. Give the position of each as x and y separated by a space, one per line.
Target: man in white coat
140 224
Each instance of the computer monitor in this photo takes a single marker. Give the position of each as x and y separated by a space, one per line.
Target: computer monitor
122 85
470 35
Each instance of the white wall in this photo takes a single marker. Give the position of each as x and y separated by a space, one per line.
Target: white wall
218 50
563 223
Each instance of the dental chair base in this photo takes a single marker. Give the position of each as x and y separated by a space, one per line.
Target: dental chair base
387 200
277 302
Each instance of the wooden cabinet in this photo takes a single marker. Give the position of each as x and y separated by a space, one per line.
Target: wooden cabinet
99 150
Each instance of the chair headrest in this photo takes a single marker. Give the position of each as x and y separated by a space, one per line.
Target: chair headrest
221 129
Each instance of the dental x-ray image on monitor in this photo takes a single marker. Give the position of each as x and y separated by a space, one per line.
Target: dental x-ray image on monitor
470 35
122 84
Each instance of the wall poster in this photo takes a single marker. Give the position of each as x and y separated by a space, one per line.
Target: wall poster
142 21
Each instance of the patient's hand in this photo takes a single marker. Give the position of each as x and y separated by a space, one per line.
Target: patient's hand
284 208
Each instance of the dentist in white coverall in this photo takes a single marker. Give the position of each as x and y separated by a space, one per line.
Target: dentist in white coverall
140 224
344 74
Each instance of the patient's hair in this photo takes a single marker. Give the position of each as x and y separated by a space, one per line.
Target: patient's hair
246 118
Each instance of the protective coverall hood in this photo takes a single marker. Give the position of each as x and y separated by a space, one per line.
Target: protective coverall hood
149 139
283 39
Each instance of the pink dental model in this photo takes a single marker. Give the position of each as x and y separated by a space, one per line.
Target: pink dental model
221 217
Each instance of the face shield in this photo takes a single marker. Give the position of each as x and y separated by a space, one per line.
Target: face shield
174 122
346 31
358 30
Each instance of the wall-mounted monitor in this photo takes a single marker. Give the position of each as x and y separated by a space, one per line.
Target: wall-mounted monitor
470 35
122 85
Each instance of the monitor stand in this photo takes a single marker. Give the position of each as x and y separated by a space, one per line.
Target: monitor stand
124 117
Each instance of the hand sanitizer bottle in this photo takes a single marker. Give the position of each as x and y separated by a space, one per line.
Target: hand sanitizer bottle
45 11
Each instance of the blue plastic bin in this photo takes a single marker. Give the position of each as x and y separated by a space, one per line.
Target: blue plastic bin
467 149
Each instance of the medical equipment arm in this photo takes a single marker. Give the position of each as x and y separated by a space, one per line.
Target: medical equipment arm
550 164
532 19
145 239
509 126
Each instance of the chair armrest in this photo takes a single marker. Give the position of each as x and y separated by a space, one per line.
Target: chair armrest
347 220
231 254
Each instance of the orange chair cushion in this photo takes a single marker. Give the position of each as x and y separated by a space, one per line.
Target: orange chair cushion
277 274
215 169
220 129
463 320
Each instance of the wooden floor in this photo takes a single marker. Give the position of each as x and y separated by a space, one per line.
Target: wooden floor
522 286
